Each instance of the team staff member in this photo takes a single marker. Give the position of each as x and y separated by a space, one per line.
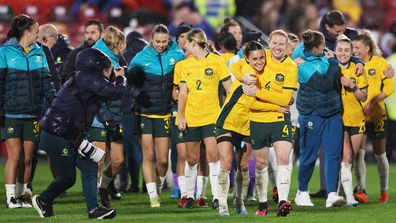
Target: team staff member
106 128
152 72
64 127
25 83
353 92
199 106
380 87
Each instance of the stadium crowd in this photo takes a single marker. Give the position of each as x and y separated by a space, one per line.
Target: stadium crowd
227 92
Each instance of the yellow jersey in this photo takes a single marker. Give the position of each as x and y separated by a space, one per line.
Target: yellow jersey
227 56
377 83
202 78
277 85
352 115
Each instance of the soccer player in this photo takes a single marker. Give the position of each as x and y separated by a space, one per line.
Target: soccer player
380 87
199 107
151 73
353 92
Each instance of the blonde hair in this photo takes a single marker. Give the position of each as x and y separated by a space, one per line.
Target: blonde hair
198 35
159 28
365 37
278 32
113 37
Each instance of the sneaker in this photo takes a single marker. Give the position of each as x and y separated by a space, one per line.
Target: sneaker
44 210
320 194
303 199
224 213
155 203
202 203
275 196
284 208
352 203
104 197
112 191
262 212
239 207
102 213
361 196
182 202
23 202
215 204
251 197
333 200
175 193
13 203
384 197
189 203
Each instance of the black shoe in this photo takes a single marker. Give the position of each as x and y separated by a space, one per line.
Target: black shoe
104 197
189 203
215 204
112 191
102 213
320 194
133 189
44 210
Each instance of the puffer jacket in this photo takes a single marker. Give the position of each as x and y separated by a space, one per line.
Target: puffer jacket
24 80
76 104
151 74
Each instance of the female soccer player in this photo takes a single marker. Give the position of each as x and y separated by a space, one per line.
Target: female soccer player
199 106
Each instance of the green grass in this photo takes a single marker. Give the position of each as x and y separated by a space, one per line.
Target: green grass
134 207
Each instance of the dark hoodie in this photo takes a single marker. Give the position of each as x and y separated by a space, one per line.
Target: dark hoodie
330 41
61 51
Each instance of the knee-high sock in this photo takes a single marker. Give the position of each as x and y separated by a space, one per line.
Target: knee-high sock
214 169
202 184
262 184
360 170
346 180
272 167
104 181
191 176
152 190
242 184
383 170
283 182
223 187
182 185
10 191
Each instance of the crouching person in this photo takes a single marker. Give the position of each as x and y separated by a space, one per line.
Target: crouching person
63 131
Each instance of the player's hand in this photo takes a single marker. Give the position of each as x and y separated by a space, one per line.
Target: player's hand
299 61
359 69
182 123
329 54
249 79
389 72
119 71
250 90
284 109
346 81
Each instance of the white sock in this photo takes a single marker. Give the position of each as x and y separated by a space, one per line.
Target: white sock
160 182
242 184
104 181
262 184
360 170
202 184
223 187
291 157
182 186
272 167
283 182
383 170
346 180
214 169
10 191
191 176
20 189
152 190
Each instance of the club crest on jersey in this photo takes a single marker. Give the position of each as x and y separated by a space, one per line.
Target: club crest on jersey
371 72
172 61
208 71
353 80
280 77
38 59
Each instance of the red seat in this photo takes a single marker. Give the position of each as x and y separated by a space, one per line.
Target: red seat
3 31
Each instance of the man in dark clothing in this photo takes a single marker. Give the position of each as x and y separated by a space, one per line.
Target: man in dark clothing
61 51
333 25
93 32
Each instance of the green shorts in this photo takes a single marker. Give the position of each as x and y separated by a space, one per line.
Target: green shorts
196 134
236 138
158 127
25 129
376 130
354 130
265 134
296 133
179 135
100 134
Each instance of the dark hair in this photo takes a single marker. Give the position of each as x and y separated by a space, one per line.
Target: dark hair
159 28
312 39
252 46
95 22
182 28
228 41
367 40
19 25
228 22
334 17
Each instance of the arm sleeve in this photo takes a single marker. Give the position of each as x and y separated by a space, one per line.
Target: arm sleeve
56 80
3 74
223 71
327 82
48 86
263 106
236 69
104 88
176 73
